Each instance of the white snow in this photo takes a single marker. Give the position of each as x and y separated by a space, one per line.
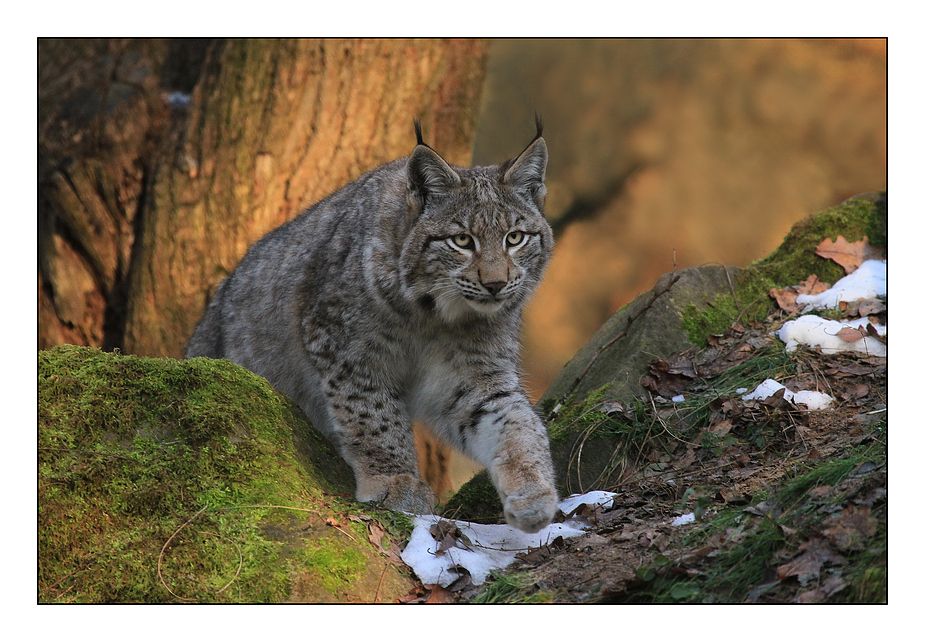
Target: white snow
678 398
494 546
683 519
866 282
816 332
593 498
813 400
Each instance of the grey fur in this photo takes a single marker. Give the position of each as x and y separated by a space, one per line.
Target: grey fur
399 297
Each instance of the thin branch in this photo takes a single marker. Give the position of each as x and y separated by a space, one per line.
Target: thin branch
629 322
160 558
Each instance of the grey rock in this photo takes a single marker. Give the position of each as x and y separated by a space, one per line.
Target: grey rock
648 328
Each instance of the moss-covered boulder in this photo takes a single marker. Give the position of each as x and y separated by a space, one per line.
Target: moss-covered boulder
194 481
680 312
685 307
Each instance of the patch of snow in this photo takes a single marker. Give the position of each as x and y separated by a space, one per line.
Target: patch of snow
812 400
683 519
866 282
816 332
678 398
494 546
741 391
593 498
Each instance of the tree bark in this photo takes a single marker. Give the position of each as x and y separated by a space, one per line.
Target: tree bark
161 162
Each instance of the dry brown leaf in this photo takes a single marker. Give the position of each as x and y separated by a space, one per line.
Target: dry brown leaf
857 391
848 255
822 593
721 428
812 285
806 567
438 595
848 530
862 307
447 535
786 299
820 491
850 335
376 532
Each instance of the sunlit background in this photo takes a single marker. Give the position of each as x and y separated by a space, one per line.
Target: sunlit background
689 151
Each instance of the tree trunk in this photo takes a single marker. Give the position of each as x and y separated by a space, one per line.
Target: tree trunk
161 162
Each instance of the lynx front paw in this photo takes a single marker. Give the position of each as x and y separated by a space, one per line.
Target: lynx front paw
531 511
402 492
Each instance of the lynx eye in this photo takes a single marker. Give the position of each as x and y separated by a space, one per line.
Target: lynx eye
462 241
515 238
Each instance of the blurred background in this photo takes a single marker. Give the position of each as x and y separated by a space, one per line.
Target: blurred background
689 151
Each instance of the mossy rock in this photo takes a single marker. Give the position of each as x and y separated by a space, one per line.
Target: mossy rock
791 263
707 300
702 302
192 481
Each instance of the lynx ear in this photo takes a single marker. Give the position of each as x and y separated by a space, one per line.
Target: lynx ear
428 174
527 172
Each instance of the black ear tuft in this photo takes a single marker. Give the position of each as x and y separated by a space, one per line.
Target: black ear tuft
527 172
539 125
418 133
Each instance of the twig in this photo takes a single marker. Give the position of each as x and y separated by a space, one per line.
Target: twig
629 321
160 558
381 578
48 588
304 510
240 559
732 291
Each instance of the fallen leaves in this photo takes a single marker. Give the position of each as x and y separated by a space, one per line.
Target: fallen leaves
848 530
447 535
787 297
428 594
848 255
807 566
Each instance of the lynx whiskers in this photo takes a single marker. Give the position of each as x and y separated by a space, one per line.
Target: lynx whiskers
400 297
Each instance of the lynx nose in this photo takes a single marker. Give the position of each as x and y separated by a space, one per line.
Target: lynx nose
494 286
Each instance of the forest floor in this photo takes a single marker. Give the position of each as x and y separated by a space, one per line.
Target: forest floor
783 504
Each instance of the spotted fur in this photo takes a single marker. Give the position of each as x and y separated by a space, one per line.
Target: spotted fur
399 297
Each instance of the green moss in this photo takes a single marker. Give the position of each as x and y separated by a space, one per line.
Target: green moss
335 564
791 263
512 588
477 500
793 516
140 460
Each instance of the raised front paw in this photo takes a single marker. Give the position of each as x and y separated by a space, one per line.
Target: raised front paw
532 509
402 492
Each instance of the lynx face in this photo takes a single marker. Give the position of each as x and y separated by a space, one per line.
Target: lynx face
483 242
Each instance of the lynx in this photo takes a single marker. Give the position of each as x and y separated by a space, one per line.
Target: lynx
400 297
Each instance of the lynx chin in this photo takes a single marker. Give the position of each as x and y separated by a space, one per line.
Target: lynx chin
400 297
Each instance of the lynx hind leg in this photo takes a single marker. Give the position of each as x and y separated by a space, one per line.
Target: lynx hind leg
403 492
376 439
